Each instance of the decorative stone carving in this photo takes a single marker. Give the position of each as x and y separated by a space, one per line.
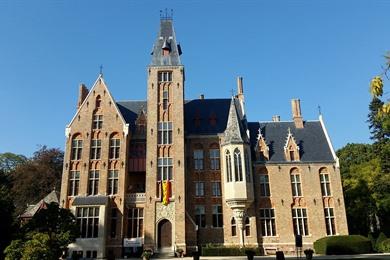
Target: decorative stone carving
165 212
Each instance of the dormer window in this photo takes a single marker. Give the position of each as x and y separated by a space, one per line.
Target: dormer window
262 148
291 148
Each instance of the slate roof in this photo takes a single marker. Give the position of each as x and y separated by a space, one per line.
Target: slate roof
205 110
167 39
198 113
33 209
197 109
311 139
90 200
130 111
233 132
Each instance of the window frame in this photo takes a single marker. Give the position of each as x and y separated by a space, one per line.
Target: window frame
265 190
88 223
96 149
74 183
199 189
97 122
135 222
93 182
200 216
215 161
217 214
115 145
268 222
238 177
164 133
300 221
198 159
164 169
330 221
113 182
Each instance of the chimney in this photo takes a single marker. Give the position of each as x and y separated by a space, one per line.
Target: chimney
240 89
201 97
276 118
296 112
83 93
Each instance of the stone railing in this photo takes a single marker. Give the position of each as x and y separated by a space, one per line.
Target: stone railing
138 197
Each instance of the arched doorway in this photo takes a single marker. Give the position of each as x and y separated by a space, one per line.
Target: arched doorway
164 234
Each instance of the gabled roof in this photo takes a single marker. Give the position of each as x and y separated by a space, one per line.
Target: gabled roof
166 39
311 139
33 209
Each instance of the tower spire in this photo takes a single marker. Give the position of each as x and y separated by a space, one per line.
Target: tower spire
166 50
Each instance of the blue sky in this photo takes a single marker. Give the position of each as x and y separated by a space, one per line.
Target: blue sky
323 52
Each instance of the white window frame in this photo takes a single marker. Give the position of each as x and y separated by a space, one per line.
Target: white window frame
268 222
199 189
198 159
96 149
113 182
74 183
264 186
165 168
330 221
97 122
93 182
300 221
216 188
164 133
214 159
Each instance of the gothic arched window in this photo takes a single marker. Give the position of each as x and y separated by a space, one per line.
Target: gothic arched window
237 165
228 158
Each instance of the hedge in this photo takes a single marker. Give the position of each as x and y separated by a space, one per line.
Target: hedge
343 245
384 246
227 251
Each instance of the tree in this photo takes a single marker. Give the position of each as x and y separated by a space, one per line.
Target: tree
7 225
36 177
46 235
9 161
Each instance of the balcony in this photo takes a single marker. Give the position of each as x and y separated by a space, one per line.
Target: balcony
138 197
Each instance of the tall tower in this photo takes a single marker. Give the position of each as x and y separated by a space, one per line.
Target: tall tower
165 161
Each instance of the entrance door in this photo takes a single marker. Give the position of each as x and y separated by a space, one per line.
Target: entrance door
164 234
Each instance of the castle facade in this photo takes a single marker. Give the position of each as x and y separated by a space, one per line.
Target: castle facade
169 173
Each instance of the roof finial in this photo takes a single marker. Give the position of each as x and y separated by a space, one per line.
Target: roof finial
289 131
101 70
166 16
319 110
232 91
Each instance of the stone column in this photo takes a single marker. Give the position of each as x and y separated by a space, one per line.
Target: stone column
239 216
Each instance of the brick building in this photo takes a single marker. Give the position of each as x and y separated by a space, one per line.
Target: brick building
169 173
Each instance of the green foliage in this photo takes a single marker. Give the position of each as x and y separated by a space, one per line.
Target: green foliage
384 246
341 245
46 234
9 161
216 250
14 251
382 237
38 248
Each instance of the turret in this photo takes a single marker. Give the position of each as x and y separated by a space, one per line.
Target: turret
237 169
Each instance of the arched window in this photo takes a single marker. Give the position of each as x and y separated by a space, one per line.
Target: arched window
247 227
325 183
234 227
295 182
229 176
237 165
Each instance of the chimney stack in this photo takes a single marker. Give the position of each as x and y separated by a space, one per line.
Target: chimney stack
240 89
201 97
83 93
296 112
276 118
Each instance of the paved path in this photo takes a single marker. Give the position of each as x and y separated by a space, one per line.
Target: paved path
319 257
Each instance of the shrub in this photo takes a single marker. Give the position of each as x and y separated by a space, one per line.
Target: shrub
384 246
228 251
372 239
340 245
381 237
